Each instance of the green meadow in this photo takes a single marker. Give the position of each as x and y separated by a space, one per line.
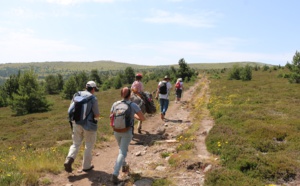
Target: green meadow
35 144
257 129
255 137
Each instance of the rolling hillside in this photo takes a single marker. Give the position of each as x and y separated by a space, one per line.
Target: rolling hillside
42 69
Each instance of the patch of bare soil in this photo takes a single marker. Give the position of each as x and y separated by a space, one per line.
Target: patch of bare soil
144 156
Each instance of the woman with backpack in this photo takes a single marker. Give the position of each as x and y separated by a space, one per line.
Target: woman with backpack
123 129
137 88
178 89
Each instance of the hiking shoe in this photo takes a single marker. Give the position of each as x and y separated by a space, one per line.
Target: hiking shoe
162 116
68 164
115 179
87 170
125 168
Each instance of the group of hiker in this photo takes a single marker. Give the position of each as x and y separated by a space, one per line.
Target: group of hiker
84 111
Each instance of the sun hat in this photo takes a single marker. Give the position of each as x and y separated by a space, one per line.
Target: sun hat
92 84
166 77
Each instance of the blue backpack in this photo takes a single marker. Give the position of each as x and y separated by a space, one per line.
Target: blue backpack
78 109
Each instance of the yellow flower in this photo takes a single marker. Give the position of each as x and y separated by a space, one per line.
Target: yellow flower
14 158
9 148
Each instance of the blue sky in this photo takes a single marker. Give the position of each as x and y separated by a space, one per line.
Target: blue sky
149 32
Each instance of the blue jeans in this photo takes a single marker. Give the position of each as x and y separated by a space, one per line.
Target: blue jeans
123 139
164 103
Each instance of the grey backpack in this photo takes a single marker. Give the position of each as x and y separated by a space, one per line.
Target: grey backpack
122 115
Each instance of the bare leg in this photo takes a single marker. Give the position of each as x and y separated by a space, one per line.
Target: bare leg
139 127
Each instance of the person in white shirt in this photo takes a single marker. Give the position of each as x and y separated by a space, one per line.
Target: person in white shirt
163 91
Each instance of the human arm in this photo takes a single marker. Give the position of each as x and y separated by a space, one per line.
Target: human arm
157 91
95 109
139 116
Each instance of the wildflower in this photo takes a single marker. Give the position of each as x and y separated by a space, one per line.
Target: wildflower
14 158
9 148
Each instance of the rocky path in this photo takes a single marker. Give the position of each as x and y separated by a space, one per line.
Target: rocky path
144 156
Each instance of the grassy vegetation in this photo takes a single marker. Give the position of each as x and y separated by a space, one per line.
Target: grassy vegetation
256 132
34 144
43 69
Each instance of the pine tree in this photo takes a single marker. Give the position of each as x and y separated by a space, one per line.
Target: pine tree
295 68
95 77
70 88
29 97
129 75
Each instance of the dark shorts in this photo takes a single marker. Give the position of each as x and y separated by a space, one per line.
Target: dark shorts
178 93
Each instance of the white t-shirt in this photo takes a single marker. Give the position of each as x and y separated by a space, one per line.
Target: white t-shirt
169 86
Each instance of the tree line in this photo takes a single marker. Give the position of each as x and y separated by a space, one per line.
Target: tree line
25 93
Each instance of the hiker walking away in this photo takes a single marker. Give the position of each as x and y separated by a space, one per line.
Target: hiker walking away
162 93
123 135
85 126
178 89
137 88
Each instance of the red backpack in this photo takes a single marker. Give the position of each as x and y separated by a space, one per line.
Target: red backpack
178 85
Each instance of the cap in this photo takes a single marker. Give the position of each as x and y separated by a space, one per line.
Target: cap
166 77
138 75
92 84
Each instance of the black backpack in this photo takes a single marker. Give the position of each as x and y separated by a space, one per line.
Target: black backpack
163 88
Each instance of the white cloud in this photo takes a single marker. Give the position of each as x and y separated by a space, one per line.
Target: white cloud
196 20
220 50
23 46
69 2
175 0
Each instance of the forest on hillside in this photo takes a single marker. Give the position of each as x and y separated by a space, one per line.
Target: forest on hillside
65 78
104 68
25 91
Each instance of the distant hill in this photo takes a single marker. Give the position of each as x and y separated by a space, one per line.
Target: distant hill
66 68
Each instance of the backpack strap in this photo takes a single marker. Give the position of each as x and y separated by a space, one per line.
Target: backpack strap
88 100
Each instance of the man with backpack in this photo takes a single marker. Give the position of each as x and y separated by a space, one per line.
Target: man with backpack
83 114
122 117
178 89
162 92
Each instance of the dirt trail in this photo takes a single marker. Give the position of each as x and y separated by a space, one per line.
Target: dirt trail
144 157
